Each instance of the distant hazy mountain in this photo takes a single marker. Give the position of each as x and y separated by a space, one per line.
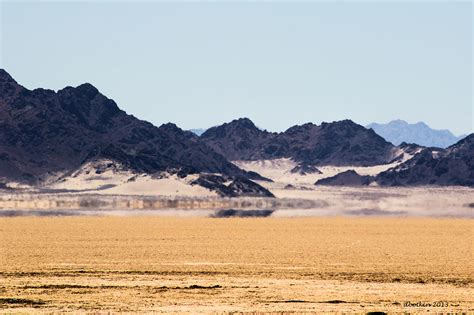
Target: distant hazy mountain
336 143
398 131
198 131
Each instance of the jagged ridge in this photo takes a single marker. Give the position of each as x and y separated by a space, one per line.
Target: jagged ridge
43 131
337 143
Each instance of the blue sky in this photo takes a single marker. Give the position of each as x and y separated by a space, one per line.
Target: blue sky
199 64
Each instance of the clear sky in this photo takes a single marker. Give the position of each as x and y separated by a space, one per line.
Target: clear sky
199 64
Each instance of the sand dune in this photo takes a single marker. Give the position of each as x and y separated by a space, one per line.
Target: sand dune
279 170
109 177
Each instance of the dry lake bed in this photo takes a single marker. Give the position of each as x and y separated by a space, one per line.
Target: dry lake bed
205 265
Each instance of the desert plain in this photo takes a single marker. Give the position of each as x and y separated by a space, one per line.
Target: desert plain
310 249
228 265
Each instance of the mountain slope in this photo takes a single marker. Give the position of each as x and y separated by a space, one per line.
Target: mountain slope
452 166
44 132
238 140
398 131
347 178
337 143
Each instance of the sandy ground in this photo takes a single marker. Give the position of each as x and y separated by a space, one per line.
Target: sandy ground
114 179
397 201
111 178
279 170
233 265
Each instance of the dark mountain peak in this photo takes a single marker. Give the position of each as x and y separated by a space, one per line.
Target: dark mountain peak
175 132
88 105
6 77
84 90
242 123
61 130
170 127
173 129
347 178
87 89
346 123
347 129
336 143
464 145
242 127
8 85
468 139
239 139
300 128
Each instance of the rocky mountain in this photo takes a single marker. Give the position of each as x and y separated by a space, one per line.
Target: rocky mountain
448 167
337 143
347 178
398 131
238 140
44 132
232 187
304 169
453 166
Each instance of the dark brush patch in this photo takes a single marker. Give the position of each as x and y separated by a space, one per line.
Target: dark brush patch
71 286
35 213
336 302
321 302
21 301
192 287
232 213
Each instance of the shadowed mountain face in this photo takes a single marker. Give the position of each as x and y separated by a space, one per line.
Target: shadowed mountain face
337 143
347 178
43 131
238 140
398 131
452 166
235 187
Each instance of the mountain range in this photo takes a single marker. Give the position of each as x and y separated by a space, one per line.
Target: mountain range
337 143
44 133
453 166
398 131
